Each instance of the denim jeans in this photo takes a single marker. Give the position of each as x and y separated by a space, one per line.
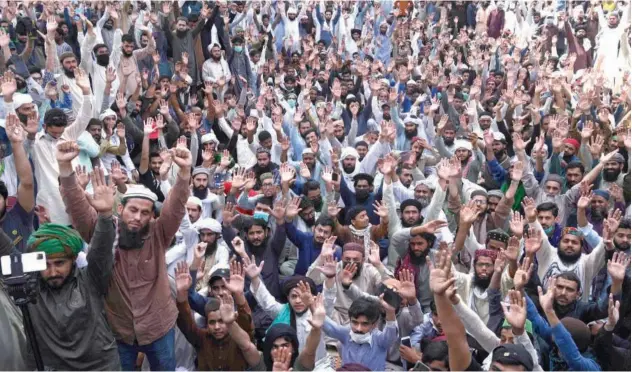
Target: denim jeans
160 353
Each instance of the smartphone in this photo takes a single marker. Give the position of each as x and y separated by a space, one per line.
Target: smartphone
406 341
31 262
392 298
334 177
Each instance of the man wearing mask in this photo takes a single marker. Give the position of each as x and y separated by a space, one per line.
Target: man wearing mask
95 59
142 242
239 64
363 196
182 41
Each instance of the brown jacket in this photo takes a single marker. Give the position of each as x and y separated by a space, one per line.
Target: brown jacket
139 305
212 354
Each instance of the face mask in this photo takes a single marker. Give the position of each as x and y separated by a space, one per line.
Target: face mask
259 215
291 102
318 203
362 195
549 230
360 338
107 26
103 59
238 49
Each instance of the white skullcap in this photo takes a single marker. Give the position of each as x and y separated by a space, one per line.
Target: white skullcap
208 224
106 114
195 200
254 113
498 136
200 170
141 192
291 10
209 137
20 99
462 144
349 151
308 151
430 182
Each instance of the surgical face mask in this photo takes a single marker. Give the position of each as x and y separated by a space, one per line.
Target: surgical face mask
291 102
103 59
360 338
238 49
549 230
259 215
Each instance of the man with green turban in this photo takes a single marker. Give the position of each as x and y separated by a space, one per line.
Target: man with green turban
68 320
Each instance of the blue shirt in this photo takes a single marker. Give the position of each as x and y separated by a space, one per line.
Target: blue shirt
308 249
18 225
373 355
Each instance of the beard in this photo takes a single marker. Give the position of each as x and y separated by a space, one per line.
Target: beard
621 247
69 73
107 26
103 60
362 195
418 258
425 201
598 214
310 221
481 282
406 224
499 154
210 248
448 141
129 239
200 192
568 258
182 33
126 54
358 271
348 168
318 203
410 135
216 59
611 175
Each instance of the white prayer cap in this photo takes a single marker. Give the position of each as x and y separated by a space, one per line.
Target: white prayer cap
141 192
20 99
209 137
463 144
208 224
195 200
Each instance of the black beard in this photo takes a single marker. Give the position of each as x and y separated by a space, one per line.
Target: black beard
358 271
216 59
611 175
481 283
348 168
499 154
318 203
263 245
410 135
200 193
129 239
107 26
70 74
448 141
210 249
310 222
619 247
103 60
182 33
418 260
568 259
598 214
127 54
406 224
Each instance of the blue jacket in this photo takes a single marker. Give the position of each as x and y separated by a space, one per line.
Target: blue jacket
349 198
308 249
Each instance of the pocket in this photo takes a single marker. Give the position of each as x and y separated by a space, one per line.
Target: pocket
148 269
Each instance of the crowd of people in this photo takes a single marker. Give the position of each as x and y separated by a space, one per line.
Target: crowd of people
317 185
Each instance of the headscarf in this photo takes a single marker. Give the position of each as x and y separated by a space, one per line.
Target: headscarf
274 332
57 241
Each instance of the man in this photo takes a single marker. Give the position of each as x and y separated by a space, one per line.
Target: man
421 239
140 271
149 167
69 298
194 208
211 203
548 218
366 277
612 171
216 253
497 160
216 68
127 68
56 130
309 244
17 223
182 41
620 245
364 196
225 330
361 341
568 256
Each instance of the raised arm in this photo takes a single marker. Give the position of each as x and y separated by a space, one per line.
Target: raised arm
17 136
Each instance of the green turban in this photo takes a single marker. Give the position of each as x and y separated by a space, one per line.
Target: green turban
56 241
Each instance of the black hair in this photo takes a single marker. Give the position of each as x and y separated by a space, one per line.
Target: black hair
254 222
361 143
624 224
55 118
310 185
569 275
366 307
95 121
324 220
437 350
264 135
265 201
211 305
4 192
34 70
305 203
99 46
127 38
576 164
548 207
154 154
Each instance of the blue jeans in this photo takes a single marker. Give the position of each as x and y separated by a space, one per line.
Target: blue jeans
160 353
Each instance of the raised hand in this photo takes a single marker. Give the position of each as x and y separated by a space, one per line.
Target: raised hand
103 199
546 299
469 213
292 209
281 358
83 178
328 265
522 275
333 209
42 214
374 254
278 211
251 268
515 309
287 173
586 197
304 171
82 81
517 171
516 225
441 274
227 308
613 313
9 85
182 157
305 292
513 249
318 312
617 266
14 129
529 207
533 243
348 273
407 287
380 209
432 227
183 281
67 151
235 284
